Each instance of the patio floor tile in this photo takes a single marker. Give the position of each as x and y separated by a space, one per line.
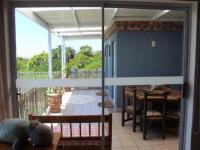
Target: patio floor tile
117 148
145 148
116 143
125 136
173 146
128 142
161 147
142 143
130 148
125 139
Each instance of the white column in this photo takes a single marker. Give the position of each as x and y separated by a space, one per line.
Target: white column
63 58
50 55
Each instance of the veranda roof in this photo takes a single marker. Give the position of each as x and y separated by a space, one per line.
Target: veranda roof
85 22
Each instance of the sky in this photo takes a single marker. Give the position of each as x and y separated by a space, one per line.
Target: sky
31 38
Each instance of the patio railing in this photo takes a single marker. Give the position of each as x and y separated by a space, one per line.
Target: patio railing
32 101
57 75
85 73
37 75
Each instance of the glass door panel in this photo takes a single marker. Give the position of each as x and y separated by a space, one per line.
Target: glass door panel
146 52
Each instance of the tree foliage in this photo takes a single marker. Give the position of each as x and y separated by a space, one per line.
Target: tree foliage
70 53
79 61
84 59
39 63
22 64
56 58
86 50
95 62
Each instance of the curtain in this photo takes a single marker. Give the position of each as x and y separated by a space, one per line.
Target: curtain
8 97
3 98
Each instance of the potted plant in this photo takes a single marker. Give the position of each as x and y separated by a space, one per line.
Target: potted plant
54 99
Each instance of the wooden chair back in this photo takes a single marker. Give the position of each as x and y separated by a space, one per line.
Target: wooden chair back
156 97
155 115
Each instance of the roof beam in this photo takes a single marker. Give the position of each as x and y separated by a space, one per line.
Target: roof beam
76 19
83 33
76 29
112 16
85 37
160 14
34 17
65 25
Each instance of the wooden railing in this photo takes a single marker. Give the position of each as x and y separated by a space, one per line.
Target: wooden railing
80 132
32 101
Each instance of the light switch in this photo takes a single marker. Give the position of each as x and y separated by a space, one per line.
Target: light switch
153 43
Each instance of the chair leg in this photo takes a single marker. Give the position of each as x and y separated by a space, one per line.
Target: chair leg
134 122
144 129
163 129
128 115
123 107
123 113
141 123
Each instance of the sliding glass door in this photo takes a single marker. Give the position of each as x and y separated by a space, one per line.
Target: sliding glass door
87 56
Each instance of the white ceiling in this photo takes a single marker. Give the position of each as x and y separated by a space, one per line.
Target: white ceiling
75 23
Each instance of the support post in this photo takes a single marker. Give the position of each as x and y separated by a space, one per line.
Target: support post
50 55
103 80
63 58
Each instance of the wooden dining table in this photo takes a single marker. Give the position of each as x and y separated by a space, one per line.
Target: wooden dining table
174 95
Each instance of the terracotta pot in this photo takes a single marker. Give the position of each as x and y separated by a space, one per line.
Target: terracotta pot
67 89
54 102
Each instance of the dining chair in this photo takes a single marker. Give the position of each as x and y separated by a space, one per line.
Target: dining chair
173 113
173 119
151 115
130 106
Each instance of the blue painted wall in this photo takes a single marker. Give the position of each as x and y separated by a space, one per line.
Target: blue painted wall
136 57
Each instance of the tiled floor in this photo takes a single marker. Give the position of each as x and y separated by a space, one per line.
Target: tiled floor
125 139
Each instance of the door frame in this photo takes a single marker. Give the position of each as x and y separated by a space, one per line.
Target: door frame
196 104
189 48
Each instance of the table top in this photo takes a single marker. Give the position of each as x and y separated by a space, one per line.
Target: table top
29 146
81 102
174 94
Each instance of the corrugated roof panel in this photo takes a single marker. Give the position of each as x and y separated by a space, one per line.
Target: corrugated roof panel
58 16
